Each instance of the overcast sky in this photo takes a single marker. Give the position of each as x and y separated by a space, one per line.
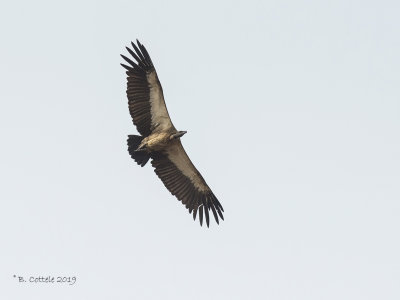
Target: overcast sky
293 116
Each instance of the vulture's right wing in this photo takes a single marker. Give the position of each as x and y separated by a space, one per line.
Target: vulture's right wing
145 95
182 179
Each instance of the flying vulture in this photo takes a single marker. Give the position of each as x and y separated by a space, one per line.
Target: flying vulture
160 141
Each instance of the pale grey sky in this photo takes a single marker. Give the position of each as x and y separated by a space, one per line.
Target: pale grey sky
293 116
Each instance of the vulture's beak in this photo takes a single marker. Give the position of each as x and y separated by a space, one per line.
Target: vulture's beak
180 133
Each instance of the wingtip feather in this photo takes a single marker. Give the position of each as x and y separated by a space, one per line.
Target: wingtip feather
207 215
194 213
201 215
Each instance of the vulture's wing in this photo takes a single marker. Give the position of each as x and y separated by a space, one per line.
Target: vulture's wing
182 179
145 94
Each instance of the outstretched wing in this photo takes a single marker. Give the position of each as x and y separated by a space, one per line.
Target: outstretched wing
182 179
145 95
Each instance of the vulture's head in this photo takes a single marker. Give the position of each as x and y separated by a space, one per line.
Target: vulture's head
177 135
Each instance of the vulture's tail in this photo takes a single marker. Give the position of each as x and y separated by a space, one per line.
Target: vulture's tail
141 157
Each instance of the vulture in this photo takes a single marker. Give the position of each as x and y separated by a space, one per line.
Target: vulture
160 141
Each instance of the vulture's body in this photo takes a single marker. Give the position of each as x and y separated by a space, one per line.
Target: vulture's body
160 141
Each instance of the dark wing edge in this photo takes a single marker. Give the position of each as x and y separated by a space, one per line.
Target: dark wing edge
193 192
144 91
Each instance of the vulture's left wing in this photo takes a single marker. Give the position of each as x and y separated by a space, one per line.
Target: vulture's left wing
182 179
